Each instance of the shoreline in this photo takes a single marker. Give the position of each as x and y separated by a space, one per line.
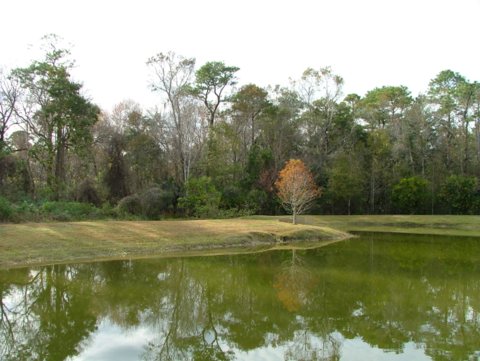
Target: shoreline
28 244
32 244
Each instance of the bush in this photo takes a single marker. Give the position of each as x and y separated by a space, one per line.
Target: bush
201 199
27 211
87 193
155 202
152 203
411 195
232 197
69 211
130 205
459 194
234 213
6 210
256 198
108 211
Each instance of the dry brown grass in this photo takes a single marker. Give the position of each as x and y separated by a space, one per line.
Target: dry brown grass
40 243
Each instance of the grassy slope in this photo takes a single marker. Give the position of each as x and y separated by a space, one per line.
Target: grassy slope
416 224
40 243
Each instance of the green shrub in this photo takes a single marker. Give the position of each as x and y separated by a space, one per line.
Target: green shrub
255 200
108 211
130 205
6 210
155 202
201 198
87 193
411 195
234 213
232 197
69 211
26 211
459 194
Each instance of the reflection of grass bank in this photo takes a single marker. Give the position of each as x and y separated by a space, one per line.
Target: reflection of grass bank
34 243
416 224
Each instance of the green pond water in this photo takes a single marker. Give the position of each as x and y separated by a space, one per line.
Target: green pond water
377 297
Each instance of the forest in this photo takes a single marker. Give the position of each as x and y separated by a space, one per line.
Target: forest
214 148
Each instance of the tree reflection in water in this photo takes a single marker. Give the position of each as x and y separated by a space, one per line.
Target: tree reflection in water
388 293
185 325
293 284
46 316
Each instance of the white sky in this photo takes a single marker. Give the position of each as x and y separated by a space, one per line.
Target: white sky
370 43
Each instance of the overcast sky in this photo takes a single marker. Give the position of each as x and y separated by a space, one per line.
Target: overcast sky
370 43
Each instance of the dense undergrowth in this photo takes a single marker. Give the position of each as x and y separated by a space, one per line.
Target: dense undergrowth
53 211
131 208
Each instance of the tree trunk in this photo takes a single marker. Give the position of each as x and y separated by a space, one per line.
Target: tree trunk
294 217
372 193
60 176
253 131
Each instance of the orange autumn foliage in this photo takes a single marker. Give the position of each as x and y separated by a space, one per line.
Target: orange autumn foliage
288 293
296 187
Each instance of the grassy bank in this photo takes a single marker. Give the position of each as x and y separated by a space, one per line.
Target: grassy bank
41 243
415 224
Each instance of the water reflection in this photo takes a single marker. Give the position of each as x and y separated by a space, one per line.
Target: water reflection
388 298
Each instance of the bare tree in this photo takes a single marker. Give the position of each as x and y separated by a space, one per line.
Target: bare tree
123 114
172 76
319 91
9 96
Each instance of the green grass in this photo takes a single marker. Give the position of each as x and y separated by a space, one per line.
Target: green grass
42 243
415 224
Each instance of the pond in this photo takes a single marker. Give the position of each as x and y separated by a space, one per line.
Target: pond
376 297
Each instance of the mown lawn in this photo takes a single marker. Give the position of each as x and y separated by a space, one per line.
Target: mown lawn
416 224
41 243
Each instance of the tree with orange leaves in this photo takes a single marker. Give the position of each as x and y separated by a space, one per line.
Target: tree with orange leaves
296 187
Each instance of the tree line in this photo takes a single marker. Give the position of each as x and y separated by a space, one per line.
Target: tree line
214 148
